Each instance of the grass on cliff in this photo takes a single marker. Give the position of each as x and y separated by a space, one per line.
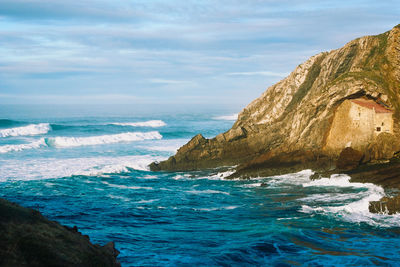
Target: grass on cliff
345 65
305 87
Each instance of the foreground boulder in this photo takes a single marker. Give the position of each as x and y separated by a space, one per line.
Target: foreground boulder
29 239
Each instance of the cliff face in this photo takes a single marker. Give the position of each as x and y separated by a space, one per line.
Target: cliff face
288 125
29 239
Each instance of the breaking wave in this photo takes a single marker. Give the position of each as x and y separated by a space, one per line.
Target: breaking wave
12 148
152 123
356 205
232 117
31 129
102 139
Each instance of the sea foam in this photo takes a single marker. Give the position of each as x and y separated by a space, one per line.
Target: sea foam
152 123
31 129
45 168
356 206
102 139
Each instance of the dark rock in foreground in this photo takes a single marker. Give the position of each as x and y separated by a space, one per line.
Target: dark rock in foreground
29 239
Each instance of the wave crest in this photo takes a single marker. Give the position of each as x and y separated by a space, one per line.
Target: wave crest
232 117
152 123
19 147
31 129
102 139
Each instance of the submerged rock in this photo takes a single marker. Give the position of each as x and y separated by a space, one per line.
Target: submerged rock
29 239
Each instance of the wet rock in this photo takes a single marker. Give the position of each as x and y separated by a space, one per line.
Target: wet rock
349 158
386 205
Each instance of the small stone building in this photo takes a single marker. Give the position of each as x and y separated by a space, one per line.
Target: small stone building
356 123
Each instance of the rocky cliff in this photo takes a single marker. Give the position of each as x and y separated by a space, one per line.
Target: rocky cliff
286 128
29 239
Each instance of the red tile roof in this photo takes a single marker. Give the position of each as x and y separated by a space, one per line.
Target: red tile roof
372 105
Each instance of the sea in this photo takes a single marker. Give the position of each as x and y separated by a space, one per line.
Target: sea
88 166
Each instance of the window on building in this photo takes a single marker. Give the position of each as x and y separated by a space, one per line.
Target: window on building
378 129
382 123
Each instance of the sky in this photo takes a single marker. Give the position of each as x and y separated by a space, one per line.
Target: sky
218 52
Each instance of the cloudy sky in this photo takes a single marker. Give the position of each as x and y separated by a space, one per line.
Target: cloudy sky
169 51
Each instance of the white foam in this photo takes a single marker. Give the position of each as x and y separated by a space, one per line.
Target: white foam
152 123
182 177
119 197
121 186
31 129
251 185
148 177
146 201
337 180
216 209
298 178
331 197
217 176
13 148
46 168
231 117
356 206
102 139
208 191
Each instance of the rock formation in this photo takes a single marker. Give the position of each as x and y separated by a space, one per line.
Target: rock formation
29 239
289 127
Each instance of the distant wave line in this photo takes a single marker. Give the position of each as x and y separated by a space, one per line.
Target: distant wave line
151 123
231 117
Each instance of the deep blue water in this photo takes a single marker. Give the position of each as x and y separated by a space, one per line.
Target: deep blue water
88 167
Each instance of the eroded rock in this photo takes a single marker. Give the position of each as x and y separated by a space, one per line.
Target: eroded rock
349 159
294 116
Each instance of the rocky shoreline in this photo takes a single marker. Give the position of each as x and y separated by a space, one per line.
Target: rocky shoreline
29 239
338 112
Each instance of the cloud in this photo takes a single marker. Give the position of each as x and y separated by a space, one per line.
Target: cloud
172 49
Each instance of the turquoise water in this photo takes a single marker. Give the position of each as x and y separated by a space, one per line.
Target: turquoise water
87 166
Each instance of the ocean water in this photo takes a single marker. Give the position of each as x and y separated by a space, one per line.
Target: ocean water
87 166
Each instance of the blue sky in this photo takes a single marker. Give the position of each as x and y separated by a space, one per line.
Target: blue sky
168 51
